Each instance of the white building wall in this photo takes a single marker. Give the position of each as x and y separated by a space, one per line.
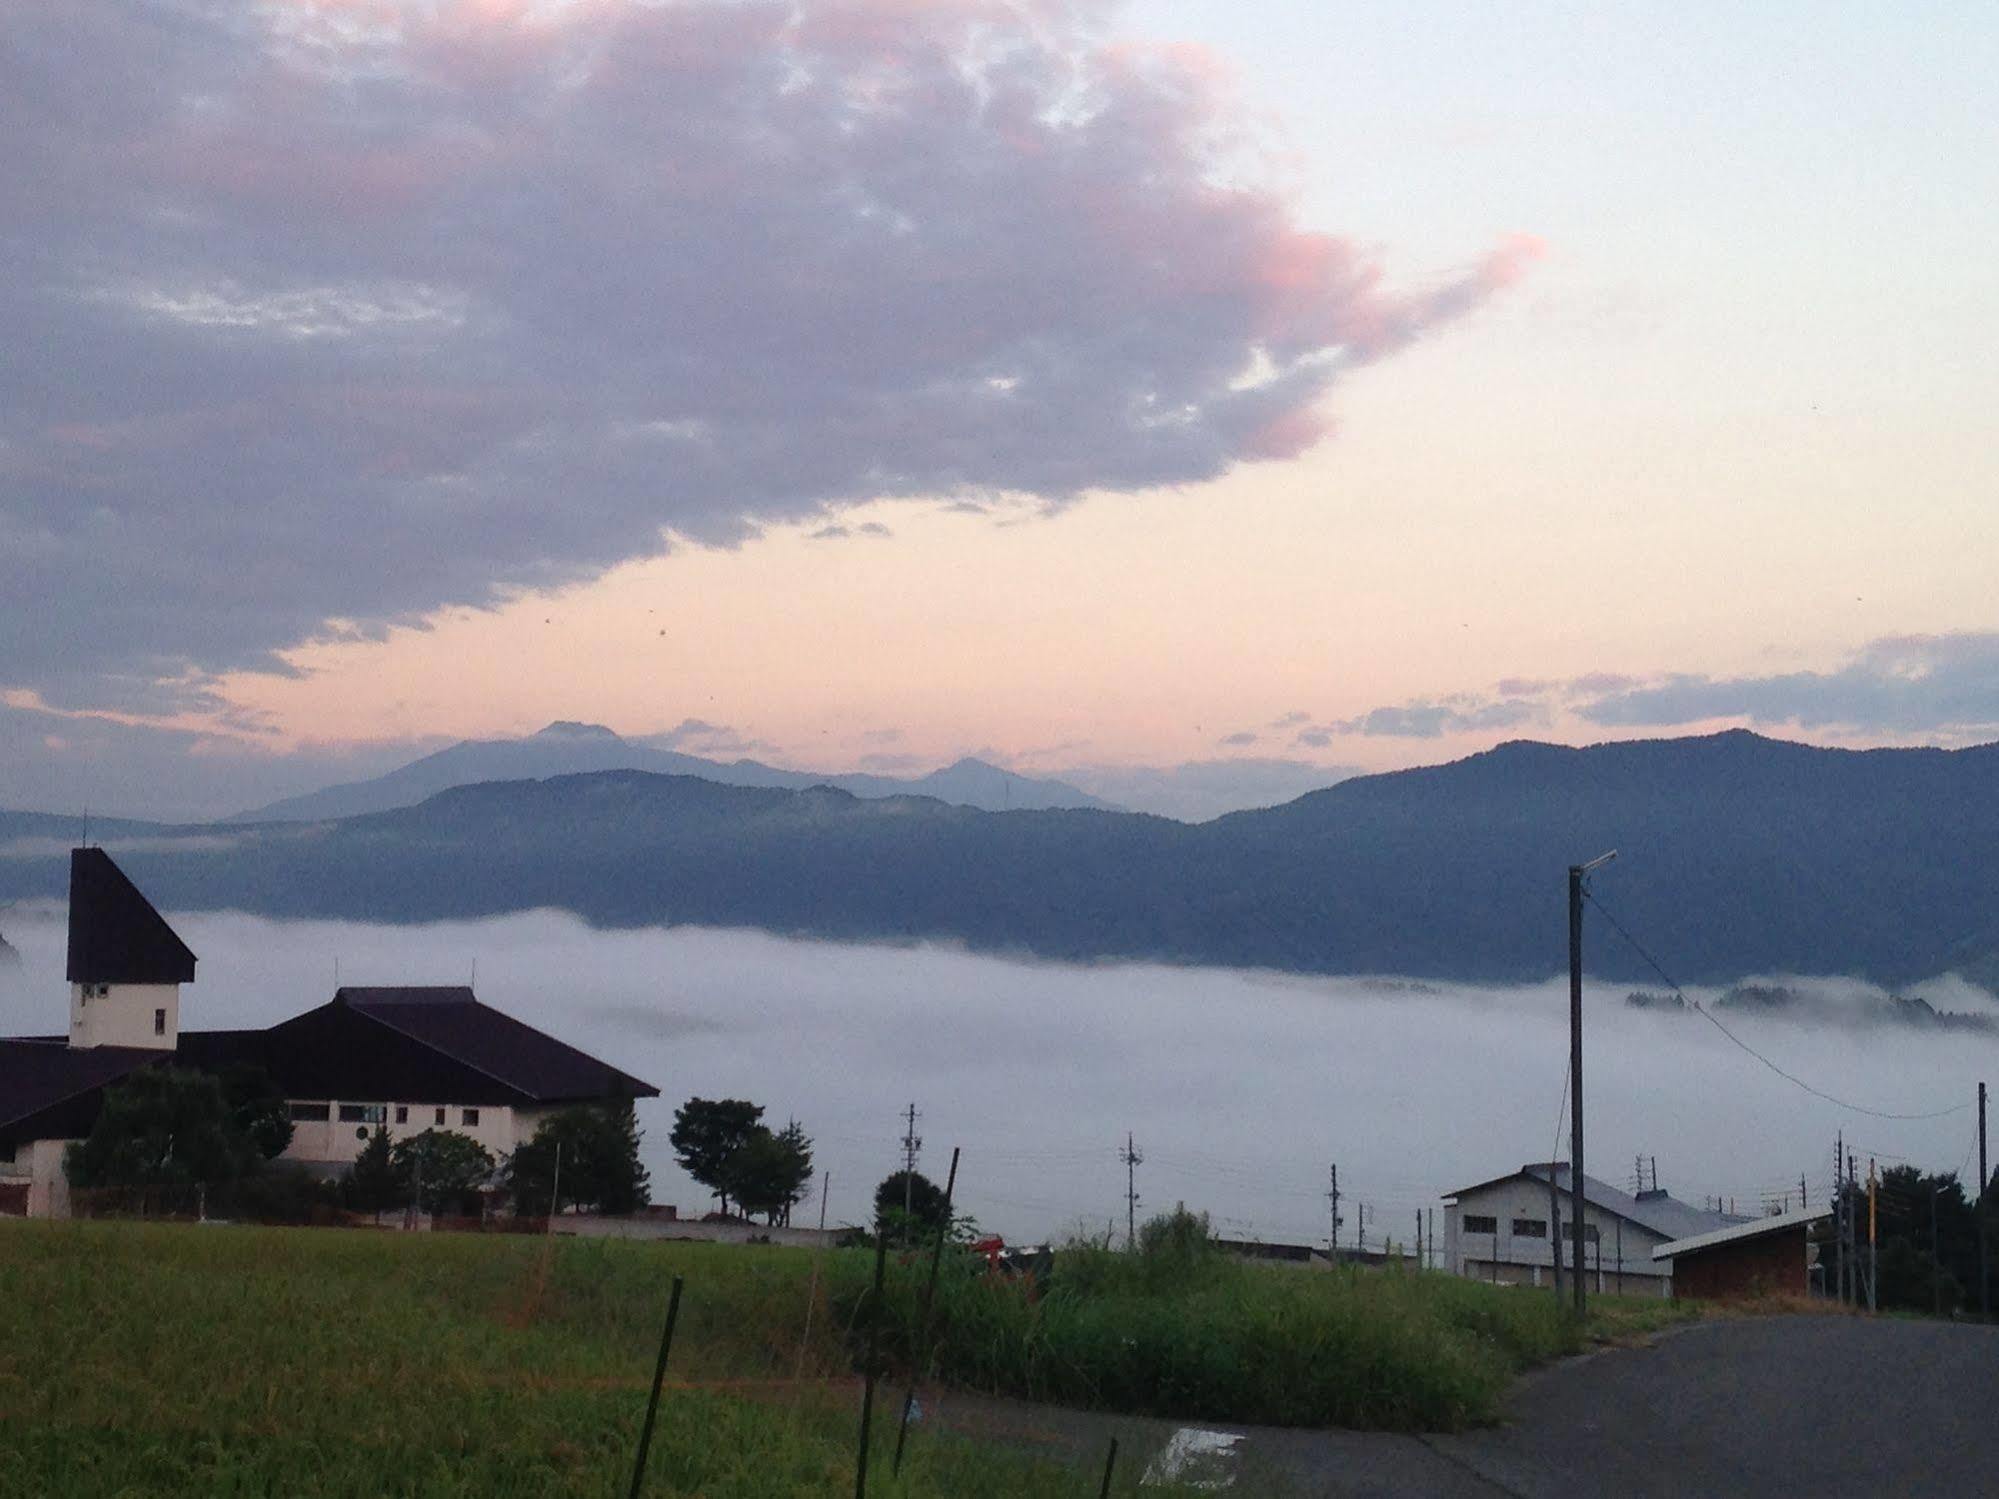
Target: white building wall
334 1141
1507 1258
40 1164
125 1015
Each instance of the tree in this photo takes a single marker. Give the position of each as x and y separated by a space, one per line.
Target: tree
440 1168
598 1147
707 1134
924 1213
258 1108
373 1184
771 1173
162 1127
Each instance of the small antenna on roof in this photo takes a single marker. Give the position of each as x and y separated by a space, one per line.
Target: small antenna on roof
86 827
336 973
475 973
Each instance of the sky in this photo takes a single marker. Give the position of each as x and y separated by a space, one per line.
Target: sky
1240 1089
1138 391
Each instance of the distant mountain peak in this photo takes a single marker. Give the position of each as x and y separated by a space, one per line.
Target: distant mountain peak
569 729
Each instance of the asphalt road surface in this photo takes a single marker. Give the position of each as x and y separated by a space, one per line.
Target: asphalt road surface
1821 1406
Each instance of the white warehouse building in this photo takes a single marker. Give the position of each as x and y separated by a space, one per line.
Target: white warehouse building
1502 1231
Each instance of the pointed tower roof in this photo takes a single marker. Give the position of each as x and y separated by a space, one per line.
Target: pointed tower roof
115 935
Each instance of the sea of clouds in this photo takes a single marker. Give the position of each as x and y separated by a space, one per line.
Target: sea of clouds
1240 1088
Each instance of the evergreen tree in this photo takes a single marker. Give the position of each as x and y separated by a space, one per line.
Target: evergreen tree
440 1168
772 1172
162 1127
909 1207
373 1184
598 1148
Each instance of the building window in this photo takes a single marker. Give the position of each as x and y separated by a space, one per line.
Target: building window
440 1116
469 1118
1476 1224
402 1113
1592 1234
1530 1228
363 1113
159 1022
309 1113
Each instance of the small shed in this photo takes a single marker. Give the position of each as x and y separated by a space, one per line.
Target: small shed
1765 1256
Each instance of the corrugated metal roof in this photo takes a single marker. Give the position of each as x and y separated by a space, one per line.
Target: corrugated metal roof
1661 1214
1755 1228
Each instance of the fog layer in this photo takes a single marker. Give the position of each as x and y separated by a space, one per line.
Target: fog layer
1240 1088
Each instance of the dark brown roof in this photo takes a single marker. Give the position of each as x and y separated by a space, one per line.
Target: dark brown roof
49 1090
115 935
451 1021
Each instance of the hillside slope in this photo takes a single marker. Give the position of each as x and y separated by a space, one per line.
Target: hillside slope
1739 855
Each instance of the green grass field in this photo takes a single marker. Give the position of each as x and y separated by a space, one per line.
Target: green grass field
140 1359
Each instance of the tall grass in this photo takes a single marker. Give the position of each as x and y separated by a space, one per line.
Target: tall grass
1199 1334
147 1359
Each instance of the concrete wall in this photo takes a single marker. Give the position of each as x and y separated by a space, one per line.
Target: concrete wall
1517 1259
38 1164
640 1226
336 1142
124 1015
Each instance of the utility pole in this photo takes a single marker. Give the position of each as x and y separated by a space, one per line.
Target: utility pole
1839 1218
1873 1246
1620 1256
1984 1276
1333 1229
911 1144
1576 874
1132 1160
1936 1261
1854 1272
1555 1229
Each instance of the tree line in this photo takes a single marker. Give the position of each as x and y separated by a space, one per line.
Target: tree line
178 1135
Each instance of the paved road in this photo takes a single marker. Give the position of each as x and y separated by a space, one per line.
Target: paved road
1826 1406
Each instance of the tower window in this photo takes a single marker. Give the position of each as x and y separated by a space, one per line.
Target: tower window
159 1022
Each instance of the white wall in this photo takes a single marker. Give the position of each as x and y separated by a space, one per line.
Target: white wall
40 1164
334 1142
1516 1260
124 1015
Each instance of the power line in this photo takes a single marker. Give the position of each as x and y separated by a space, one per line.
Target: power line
1701 1010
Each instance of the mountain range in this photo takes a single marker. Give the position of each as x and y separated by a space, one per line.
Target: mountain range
1739 855
566 748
